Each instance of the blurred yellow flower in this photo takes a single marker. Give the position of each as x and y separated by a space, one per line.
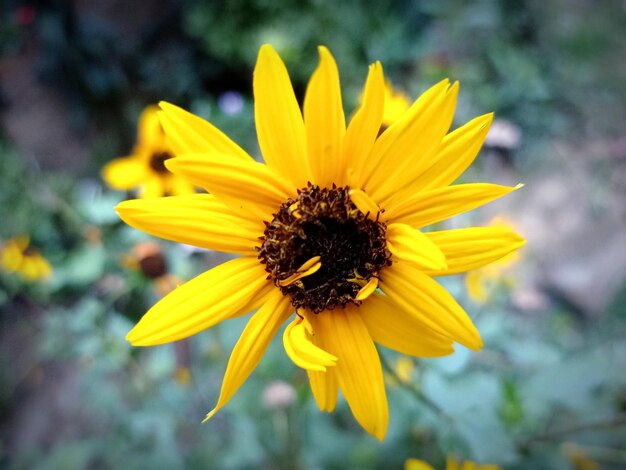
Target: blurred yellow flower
482 283
328 227
578 457
451 464
404 369
21 258
396 104
145 169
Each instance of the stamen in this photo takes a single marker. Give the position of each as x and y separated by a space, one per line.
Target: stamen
368 289
294 210
311 266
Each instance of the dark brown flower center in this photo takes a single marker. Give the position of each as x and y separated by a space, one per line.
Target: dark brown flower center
153 265
323 222
157 161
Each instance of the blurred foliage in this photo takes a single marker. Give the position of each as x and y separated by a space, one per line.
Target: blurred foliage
545 379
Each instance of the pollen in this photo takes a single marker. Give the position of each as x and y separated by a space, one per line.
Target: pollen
324 224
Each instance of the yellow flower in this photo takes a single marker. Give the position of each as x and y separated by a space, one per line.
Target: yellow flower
19 257
396 104
404 369
481 283
329 227
145 168
451 464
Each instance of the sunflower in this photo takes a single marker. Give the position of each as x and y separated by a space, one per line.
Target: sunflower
20 257
451 464
329 229
145 168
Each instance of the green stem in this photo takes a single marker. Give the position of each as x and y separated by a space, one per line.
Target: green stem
412 388
617 421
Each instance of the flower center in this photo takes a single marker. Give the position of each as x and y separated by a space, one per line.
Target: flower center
157 161
323 223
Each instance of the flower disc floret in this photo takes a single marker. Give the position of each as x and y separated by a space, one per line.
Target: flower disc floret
324 223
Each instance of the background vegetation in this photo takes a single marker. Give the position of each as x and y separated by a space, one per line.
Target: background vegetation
549 389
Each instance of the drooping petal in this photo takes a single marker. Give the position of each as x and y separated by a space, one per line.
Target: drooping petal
429 207
368 289
199 220
409 244
301 349
325 122
224 292
364 126
252 344
358 368
422 297
324 385
188 133
456 152
251 186
311 266
471 248
279 125
124 173
406 149
395 328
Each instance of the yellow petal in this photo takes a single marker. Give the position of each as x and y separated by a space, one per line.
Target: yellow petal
301 349
251 186
188 133
398 329
309 267
279 125
12 256
408 244
368 289
406 149
471 248
364 203
149 131
422 297
364 125
224 292
439 204
124 173
179 186
198 220
358 367
252 344
401 136
416 464
325 122
456 152
21 242
153 186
